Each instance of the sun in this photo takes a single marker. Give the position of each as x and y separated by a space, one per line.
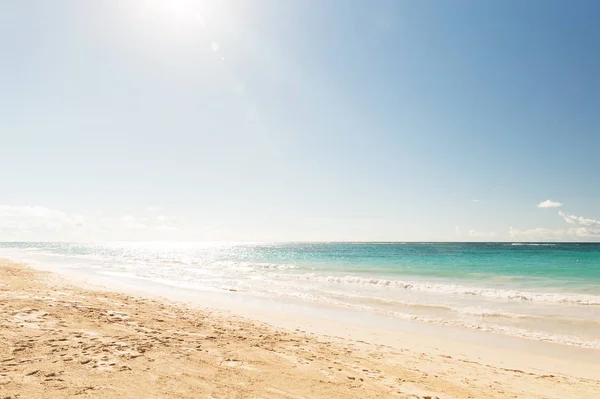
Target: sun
191 16
170 20
176 11
159 25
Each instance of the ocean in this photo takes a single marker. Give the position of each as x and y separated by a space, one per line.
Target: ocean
539 291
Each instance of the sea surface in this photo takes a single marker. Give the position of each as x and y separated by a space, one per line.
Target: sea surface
539 291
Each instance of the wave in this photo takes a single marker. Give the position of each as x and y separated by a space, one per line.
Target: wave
470 324
251 266
505 330
471 311
531 244
578 299
483 312
149 261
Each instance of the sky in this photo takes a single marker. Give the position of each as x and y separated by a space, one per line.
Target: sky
300 120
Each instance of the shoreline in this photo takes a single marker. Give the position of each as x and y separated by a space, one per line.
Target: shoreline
319 358
507 311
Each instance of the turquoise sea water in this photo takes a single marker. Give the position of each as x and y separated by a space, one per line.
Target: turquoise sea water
541 291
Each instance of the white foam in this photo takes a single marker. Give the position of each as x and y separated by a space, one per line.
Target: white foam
511 331
532 244
470 324
483 312
471 310
249 266
579 299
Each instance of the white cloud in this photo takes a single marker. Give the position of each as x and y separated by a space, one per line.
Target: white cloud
543 234
167 229
475 200
537 234
549 204
457 231
214 46
154 208
481 234
580 220
129 222
585 230
27 218
39 223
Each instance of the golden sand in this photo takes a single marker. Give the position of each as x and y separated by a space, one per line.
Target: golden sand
61 341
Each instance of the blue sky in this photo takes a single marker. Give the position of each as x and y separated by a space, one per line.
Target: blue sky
299 120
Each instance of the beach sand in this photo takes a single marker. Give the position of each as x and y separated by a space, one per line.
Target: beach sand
59 340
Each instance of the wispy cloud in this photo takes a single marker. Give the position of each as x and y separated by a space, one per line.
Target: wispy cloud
130 222
549 204
482 234
39 223
457 231
537 234
580 220
154 208
36 216
543 234
585 230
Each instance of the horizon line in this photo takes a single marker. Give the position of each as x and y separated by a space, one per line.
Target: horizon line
305 242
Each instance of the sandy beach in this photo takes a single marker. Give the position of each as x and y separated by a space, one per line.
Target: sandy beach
59 340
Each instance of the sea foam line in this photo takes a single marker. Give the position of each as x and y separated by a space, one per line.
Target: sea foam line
473 325
579 299
471 310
